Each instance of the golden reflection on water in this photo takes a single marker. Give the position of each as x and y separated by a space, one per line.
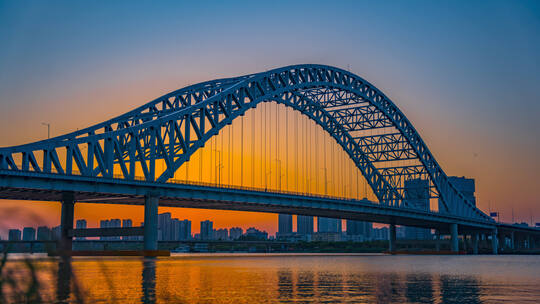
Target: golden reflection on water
293 278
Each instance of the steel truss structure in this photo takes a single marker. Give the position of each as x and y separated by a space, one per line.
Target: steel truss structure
370 128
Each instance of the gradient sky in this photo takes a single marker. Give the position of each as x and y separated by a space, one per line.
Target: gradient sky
466 74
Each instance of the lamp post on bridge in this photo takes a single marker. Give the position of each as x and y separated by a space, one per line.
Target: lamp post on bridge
48 129
278 161
219 166
325 181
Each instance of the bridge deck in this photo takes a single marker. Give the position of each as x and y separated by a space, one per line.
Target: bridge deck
49 187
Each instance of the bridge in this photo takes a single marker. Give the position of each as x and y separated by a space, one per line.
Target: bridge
133 158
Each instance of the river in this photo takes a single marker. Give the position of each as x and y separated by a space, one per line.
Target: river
291 278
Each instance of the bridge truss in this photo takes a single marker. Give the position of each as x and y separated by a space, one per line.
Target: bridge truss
375 134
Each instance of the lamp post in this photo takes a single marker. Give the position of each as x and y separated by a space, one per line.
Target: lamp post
218 167
48 129
278 169
325 181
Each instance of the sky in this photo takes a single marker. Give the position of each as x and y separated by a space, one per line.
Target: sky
465 73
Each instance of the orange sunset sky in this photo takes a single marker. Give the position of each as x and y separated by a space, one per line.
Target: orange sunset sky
467 79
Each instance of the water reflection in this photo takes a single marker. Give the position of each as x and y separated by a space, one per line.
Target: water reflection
63 280
330 285
286 279
459 289
419 288
388 289
285 285
149 281
305 284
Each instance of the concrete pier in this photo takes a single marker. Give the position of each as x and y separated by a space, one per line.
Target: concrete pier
475 243
66 221
494 241
392 238
454 241
151 222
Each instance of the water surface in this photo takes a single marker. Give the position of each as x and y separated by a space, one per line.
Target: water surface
286 278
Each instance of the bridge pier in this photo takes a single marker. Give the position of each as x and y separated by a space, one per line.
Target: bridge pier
66 222
392 238
454 241
494 241
513 240
475 242
151 222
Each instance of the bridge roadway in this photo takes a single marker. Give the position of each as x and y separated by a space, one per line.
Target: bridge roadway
21 185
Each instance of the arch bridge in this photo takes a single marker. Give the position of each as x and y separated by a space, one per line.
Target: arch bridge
98 164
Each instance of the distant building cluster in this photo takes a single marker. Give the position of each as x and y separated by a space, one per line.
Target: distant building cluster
169 229
42 233
173 229
328 229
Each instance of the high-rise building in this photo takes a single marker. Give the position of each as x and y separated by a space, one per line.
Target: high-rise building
165 227
235 233
304 225
184 232
14 235
381 233
255 233
29 234
207 230
417 197
115 223
104 224
180 230
284 225
112 223
127 223
221 234
80 224
358 230
43 233
55 233
466 186
325 224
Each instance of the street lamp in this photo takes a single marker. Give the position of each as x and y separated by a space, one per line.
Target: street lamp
325 181
48 129
278 169
219 166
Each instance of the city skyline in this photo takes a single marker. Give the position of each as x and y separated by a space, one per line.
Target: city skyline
168 229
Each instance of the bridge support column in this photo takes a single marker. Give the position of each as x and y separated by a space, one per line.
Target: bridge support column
437 241
66 222
392 238
150 222
454 238
513 240
494 241
475 242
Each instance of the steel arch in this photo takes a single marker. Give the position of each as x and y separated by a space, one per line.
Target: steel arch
175 125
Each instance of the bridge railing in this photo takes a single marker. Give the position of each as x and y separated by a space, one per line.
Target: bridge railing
216 185
119 177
